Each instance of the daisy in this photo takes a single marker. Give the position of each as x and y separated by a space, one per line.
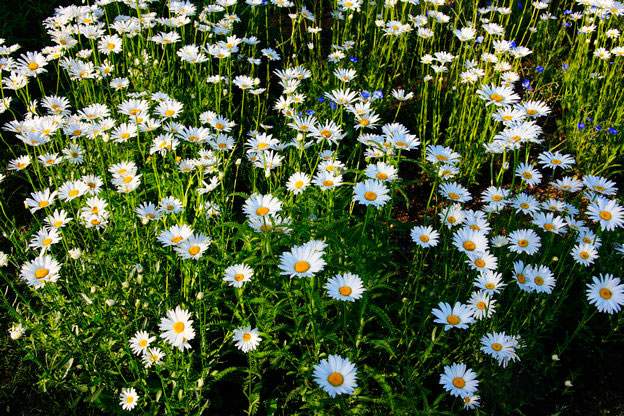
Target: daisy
584 254
40 200
72 190
347 287
381 171
524 241
176 328
147 211
482 305
425 236
302 261
171 205
599 185
327 180
41 270
555 160
336 375
128 398
549 222
261 205
44 239
526 204
193 246
371 192
490 281
454 192
499 96
528 174
58 219
459 380
298 182
169 109
482 261
457 316
247 339
452 216
541 279
152 356
238 274
608 213
140 342
501 347
440 154
606 293
468 241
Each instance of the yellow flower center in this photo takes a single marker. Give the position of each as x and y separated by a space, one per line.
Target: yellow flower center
469 245
47 241
239 277
299 184
43 204
454 196
178 327
555 162
262 211
497 198
328 182
453 319
382 176
480 305
459 382
345 291
33 66
521 278
490 285
524 205
302 266
531 111
169 113
497 346
452 220
584 255
335 379
194 250
605 215
370 196
219 126
549 227
480 263
496 97
605 293
538 280
424 238
142 343
73 193
57 223
523 243
41 272
326 133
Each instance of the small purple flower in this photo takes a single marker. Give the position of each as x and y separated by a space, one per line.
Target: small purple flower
526 84
332 105
479 39
565 66
365 94
321 99
598 127
309 112
514 44
581 125
539 69
353 59
612 131
377 94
